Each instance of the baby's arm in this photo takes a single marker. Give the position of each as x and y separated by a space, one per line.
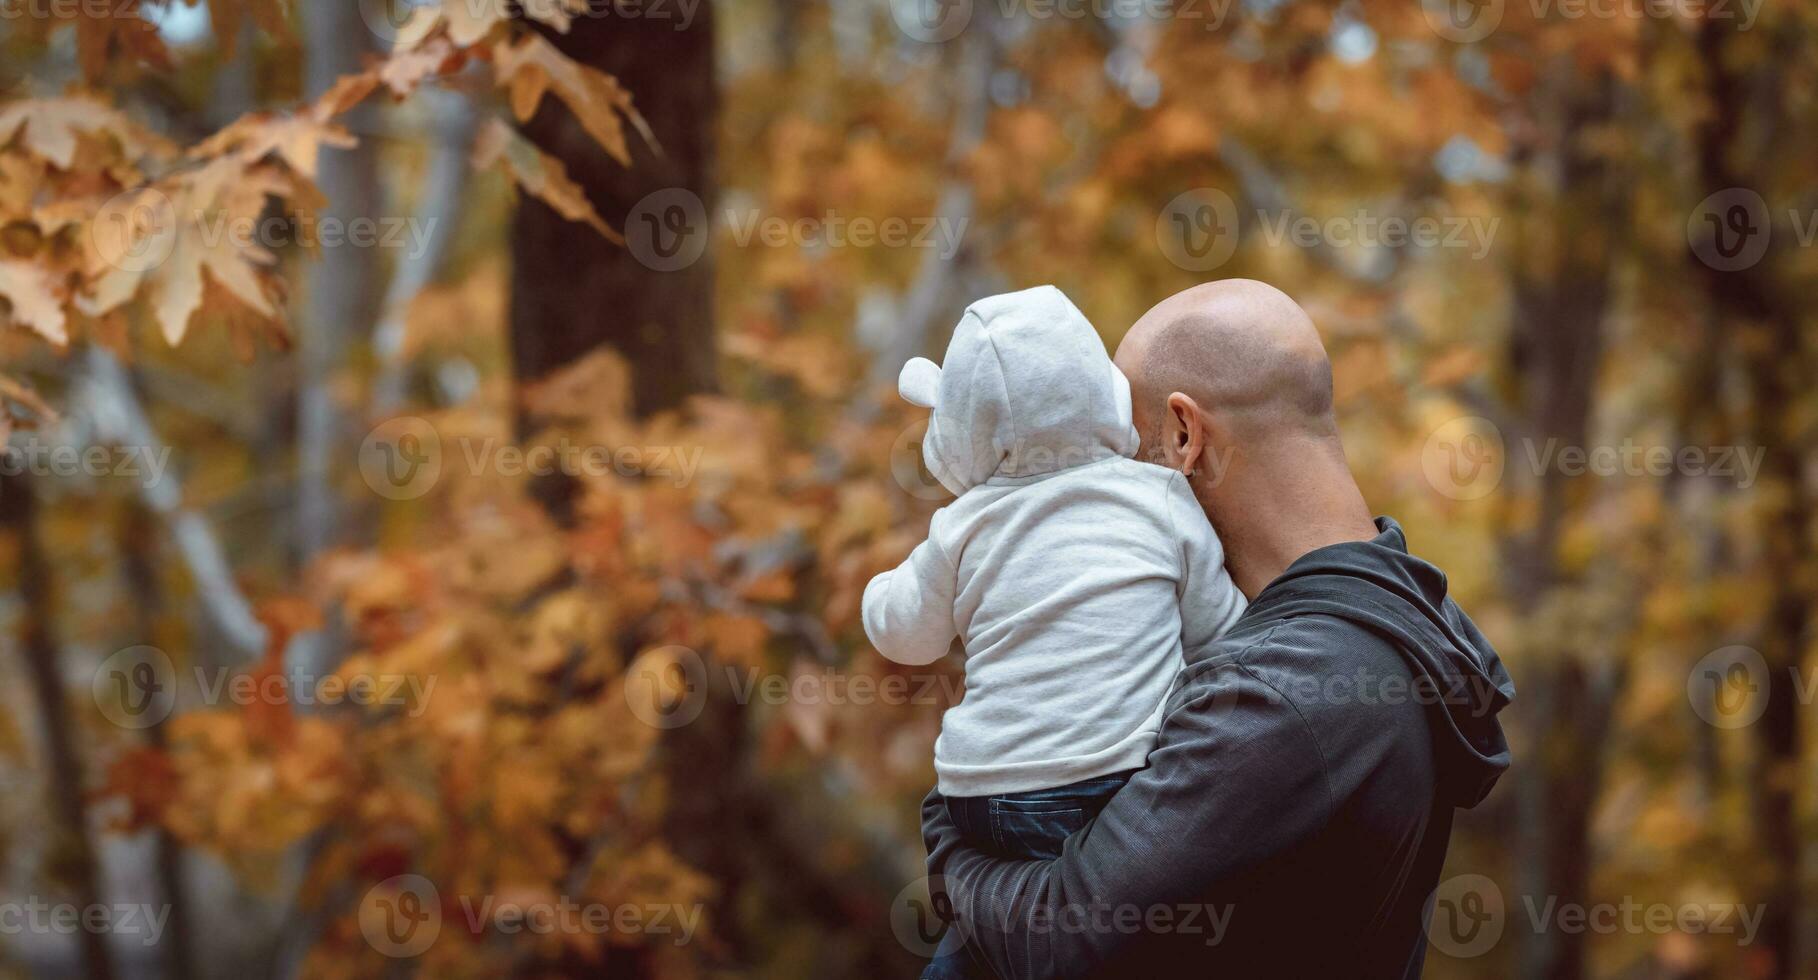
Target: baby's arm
908 611
1209 599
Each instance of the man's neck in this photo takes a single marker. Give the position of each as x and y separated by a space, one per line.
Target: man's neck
1273 512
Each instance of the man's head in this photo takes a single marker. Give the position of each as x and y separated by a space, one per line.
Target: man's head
1231 386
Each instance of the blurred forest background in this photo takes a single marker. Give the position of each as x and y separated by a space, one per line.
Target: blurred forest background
636 679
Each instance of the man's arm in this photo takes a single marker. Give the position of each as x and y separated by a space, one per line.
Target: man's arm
1236 778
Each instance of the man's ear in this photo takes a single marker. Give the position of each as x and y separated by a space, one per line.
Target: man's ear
1184 433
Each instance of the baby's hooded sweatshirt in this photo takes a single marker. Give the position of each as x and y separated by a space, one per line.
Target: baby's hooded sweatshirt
1071 572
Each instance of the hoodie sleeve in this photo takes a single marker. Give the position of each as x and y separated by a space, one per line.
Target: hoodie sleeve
908 611
1209 600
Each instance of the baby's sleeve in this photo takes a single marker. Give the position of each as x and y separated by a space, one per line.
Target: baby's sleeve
1209 600
908 611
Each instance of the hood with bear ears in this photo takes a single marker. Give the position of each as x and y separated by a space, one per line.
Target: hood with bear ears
1027 389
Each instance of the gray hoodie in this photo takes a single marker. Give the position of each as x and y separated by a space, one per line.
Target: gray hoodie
1063 563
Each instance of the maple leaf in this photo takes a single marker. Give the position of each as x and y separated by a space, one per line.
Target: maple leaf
538 173
297 138
346 92
50 128
36 298
407 68
100 31
187 222
469 23
598 101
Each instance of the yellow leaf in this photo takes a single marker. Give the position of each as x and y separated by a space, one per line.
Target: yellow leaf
469 23
50 127
538 173
296 139
33 294
596 98
407 67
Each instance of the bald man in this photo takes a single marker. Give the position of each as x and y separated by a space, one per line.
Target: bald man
1293 817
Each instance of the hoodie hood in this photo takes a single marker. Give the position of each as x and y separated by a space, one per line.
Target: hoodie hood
1378 585
1026 389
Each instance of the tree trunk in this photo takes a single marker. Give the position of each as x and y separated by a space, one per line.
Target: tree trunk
343 285
1737 148
138 550
62 760
1556 347
573 291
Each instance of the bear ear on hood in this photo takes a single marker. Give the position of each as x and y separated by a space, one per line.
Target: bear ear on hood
920 382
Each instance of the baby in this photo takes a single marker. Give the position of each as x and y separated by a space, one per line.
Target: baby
1072 572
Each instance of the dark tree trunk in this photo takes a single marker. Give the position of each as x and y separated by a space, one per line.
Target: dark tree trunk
1556 346
571 290
31 576
1738 148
